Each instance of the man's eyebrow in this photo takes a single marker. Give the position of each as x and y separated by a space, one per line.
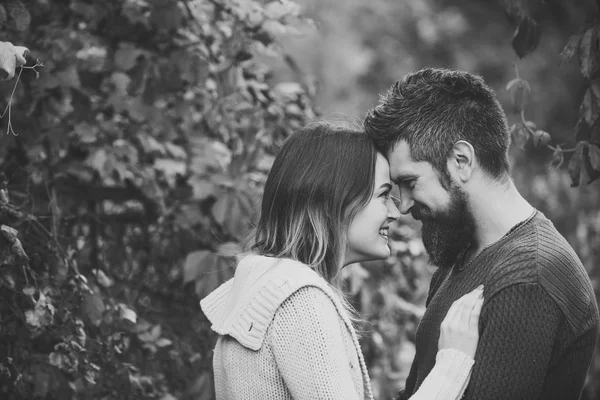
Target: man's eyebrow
404 177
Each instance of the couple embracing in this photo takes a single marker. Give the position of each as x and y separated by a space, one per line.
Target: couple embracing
511 312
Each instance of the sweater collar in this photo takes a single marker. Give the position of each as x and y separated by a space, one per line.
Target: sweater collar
244 306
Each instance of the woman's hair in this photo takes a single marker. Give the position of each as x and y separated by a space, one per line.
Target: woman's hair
321 177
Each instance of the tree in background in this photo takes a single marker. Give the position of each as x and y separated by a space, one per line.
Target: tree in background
131 158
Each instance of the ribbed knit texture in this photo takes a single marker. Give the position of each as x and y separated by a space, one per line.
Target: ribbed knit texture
285 335
448 379
539 322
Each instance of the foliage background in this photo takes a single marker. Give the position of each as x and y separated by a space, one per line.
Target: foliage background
131 168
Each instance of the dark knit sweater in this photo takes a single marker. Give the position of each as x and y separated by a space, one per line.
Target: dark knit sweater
539 322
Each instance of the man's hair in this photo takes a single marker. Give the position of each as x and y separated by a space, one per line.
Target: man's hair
432 109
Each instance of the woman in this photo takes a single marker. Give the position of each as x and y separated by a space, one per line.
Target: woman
286 331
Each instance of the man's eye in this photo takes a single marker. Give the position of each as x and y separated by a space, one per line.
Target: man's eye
409 183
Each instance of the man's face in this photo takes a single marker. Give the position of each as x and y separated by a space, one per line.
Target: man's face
443 208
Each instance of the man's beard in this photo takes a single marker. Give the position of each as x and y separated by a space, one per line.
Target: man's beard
446 233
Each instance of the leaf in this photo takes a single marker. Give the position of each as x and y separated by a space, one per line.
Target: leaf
210 273
176 151
97 160
575 164
3 16
520 91
93 307
13 254
126 56
520 136
203 387
541 138
275 28
588 53
121 82
42 314
288 91
570 49
19 16
526 37
83 9
594 154
150 145
590 106
166 15
56 359
192 68
189 215
281 9
202 188
195 262
151 335
233 211
86 133
163 342
69 77
127 314
209 156
103 279
138 110
11 57
170 169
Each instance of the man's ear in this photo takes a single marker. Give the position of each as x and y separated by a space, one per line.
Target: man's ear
461 160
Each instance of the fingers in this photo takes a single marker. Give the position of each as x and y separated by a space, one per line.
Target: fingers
468 308
476 311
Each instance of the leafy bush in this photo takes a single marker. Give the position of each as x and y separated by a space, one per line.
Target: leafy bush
137 153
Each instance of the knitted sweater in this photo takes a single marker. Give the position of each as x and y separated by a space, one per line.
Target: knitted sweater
284 334
539 321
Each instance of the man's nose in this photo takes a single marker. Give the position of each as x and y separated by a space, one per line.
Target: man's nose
406 202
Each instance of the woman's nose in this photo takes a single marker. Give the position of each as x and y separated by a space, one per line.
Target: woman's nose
393 212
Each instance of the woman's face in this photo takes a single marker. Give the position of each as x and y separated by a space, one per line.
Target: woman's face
368 231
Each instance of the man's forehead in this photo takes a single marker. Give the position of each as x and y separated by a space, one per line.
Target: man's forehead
401 150
401 161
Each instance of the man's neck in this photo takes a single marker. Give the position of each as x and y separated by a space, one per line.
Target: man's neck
496 210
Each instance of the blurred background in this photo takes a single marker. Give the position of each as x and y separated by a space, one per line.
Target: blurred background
137 137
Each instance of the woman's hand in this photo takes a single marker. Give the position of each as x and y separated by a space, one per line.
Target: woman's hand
459 330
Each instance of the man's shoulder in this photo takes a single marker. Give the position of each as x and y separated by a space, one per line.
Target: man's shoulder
537 250
541 255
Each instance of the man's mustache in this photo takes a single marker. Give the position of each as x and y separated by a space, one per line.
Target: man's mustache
420 212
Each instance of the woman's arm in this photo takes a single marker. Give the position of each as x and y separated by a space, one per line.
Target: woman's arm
307 341
459 336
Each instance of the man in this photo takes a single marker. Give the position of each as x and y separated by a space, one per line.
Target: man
446 138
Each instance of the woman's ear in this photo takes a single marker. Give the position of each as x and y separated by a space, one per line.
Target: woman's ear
461 160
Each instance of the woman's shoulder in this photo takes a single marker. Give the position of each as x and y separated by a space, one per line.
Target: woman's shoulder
245 306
